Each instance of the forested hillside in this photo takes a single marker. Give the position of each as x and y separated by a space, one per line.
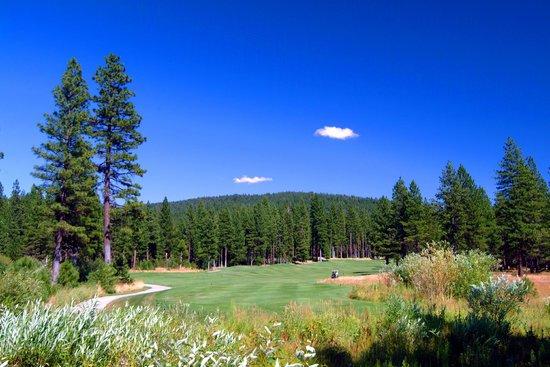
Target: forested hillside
178 208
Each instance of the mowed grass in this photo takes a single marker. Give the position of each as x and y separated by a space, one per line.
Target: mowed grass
269 288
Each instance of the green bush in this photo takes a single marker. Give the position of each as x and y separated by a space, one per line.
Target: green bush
105 276
86 266
437 271
146 265
498 298
25 263
68 275
123 275
4 263
19 287
473 267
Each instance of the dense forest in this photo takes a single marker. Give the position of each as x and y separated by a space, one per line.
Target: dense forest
87 205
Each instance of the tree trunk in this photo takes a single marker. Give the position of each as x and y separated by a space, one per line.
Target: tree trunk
57 255
107 219
134 259
520 267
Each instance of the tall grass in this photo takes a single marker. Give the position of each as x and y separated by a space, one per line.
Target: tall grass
40 335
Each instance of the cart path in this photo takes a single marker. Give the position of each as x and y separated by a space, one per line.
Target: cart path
100 303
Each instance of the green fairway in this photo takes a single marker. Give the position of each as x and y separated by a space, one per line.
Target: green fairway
267 287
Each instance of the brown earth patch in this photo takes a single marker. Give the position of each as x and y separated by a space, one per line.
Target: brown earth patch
541 282
359 279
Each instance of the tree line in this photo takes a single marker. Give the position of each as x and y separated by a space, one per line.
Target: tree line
87 205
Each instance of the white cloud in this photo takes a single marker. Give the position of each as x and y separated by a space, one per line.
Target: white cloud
334 132
251 180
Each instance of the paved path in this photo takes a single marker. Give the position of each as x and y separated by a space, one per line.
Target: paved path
100 303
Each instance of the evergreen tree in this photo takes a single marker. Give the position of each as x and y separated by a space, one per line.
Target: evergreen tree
4 221
167 231
115 129
302 232
320 246
465 210
131 233
521 207
152 235
401 208
384 231
16 223
228 235
238 247
206 241
37 226
68 174
337 225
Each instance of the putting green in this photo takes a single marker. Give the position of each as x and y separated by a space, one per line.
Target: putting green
267 287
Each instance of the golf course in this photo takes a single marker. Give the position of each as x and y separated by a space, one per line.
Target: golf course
269 288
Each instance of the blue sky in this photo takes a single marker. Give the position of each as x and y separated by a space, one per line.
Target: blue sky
231 88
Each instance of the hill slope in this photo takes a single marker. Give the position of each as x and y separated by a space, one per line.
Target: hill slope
280 198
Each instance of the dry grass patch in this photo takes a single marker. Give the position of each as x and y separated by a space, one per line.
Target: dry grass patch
123 288
167 270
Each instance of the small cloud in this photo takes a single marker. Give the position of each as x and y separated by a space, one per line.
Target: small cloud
334 132
251 180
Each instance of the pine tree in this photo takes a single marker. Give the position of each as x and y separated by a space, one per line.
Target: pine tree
302 232
115 128
400 208
466 212
16 223
337 225
521 206
320 246
37 225
287 235
206 241
4 221
238 248
152 236
131 233
228 235
167 231
68 174
384 231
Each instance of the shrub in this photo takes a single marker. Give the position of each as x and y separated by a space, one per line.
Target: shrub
25 263
18 288
31 268
86 266
105 276
4 263
408 332
146 265
497 298
68 275
437 271
431 273
123 274
473 267
123 271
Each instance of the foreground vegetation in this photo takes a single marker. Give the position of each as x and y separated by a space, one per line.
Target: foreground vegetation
466 319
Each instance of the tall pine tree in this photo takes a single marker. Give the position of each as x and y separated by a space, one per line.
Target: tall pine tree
68 174
115 127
